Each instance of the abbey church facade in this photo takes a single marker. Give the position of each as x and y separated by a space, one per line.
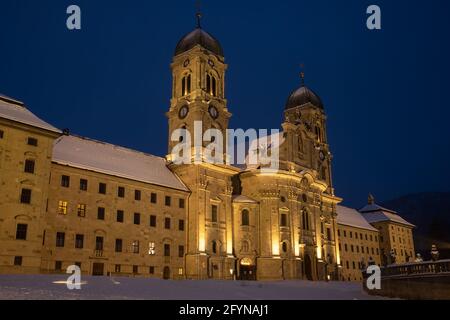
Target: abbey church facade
67 200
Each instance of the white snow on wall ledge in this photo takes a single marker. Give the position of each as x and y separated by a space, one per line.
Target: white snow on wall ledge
13 110
113 160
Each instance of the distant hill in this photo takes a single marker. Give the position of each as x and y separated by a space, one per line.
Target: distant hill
430 212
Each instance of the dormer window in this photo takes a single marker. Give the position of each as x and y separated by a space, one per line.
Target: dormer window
186 85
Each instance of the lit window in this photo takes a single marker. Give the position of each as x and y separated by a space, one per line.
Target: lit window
62 207
151 248
135 246
81 209
180 271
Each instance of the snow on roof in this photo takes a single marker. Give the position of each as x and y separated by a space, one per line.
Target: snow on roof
351 217
113 160
243 199
380 216
16 111
374 207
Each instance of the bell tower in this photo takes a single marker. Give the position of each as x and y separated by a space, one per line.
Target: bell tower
198 94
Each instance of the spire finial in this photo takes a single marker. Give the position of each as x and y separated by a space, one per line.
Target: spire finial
371 199
199 13
302 73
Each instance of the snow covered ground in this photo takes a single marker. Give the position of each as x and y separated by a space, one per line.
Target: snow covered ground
43 287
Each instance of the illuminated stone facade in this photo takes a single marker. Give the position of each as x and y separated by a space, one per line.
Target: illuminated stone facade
112 210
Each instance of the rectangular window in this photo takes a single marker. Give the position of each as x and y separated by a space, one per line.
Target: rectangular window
329 234
167 223
345 233
361 236
117 268
357 249
153 198
362 249
79 241
167 201
60 239
180 271
99 243
137 218
102 188
135 246
29 166
354 265
152 221
25 196
151 270
101 213
167 250
181 204
181 225
284 220
18 261
62 207
352 248
21 231
351 234
81 210
356 235
137 195
339 233
119 217
83 184
135 269
65 181
1 134
346 247
58 265
214 210
180 251
119 245
32 142
121 192
151 248
348 265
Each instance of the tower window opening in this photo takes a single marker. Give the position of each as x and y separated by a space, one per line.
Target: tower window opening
211 85
186 85
318 134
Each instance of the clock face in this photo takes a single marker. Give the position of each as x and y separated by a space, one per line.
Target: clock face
213 112
322 155
183 112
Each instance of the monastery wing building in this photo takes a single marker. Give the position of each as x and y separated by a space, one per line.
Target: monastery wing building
68 200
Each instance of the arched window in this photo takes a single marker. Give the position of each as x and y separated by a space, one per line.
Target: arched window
214 247
186 85
305 220
211 85
245 218
318 134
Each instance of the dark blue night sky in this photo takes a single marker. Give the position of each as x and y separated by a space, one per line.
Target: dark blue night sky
385 92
